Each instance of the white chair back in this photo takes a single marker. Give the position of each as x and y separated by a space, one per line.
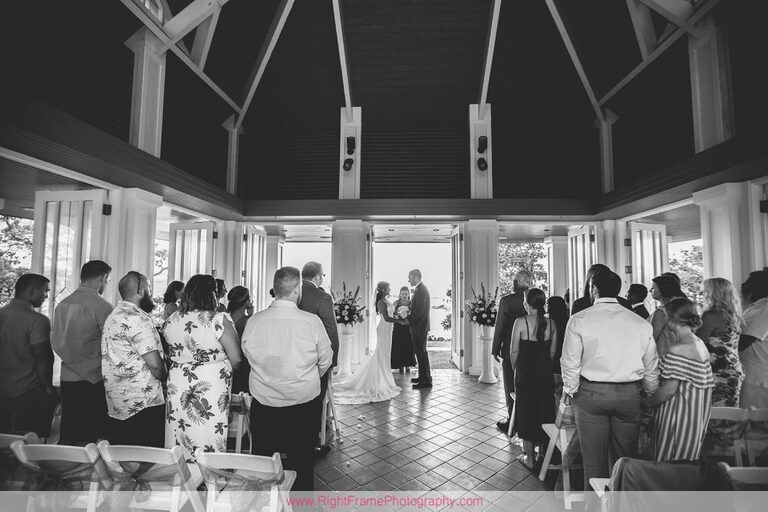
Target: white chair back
240 421
729 414
756 437
29 438
746 475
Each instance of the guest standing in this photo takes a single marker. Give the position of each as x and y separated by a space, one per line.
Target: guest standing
636 296
665 288
78 324
27 396
133 367
608 357
221 293
720 330
289 350
240 309
557 311
419 324
585 300
171 298
684 397
204 349
531 358
753 343
403 355
510 309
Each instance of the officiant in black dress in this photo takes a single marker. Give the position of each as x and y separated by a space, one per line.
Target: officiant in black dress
403 356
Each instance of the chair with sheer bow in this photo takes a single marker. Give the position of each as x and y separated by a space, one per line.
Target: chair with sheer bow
725 433
328 405
74 475
240 411
12 472
151 478
245 482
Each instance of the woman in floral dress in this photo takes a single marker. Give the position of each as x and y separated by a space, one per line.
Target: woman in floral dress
203 347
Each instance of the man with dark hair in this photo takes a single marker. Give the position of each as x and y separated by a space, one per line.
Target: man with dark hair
753 343
636 296
418 321
608 355
78 323
316 301
288 350
132 367
221 293
27 396
510 309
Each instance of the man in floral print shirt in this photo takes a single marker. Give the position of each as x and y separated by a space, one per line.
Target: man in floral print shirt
133 367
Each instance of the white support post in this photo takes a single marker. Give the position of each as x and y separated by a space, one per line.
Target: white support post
274 260
349 263
480 126
481 266
233 152
130 243
229 252
726 228
711 90
557 273
623 254
148 91
605 128
608 244
349 180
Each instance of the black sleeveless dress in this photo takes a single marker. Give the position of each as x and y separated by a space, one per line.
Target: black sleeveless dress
402 345
535 387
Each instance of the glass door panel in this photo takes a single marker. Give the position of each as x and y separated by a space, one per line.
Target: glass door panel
190 251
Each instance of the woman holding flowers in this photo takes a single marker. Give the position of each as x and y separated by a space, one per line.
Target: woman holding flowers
403 356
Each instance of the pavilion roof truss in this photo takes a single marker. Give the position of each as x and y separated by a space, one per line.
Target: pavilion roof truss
493 29
340 40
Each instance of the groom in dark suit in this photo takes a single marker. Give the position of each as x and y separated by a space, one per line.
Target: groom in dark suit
315 300
419 324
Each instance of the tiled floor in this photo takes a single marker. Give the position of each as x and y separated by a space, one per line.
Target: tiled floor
443 439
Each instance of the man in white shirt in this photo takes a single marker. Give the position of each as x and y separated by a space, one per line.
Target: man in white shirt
753 343
609 355
288 350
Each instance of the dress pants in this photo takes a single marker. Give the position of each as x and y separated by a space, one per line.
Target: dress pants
290 430
145 428
608 422
84 412
508 374
29 412
422 358
319 402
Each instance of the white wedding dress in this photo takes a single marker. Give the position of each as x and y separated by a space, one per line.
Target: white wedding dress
373 381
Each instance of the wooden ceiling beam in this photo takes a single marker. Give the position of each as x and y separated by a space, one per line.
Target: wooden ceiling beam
640 15
488 61
342 57
572 51
204 38
278 22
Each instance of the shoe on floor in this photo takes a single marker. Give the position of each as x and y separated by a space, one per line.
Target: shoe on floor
322 450
415 380
503 426
422 385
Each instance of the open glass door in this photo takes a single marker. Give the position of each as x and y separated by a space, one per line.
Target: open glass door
190 250
649 253
255 265
457 297
582 254
368 290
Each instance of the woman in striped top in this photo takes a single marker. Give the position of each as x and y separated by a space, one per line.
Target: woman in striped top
685 395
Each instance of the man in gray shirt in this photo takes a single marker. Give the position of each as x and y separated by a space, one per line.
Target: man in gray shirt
78 323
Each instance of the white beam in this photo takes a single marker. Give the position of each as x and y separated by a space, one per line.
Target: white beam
189 19
569 45
605 128
342 57
676 12
643 25
666 43
139 11
233 153
278 22
204 38
488 64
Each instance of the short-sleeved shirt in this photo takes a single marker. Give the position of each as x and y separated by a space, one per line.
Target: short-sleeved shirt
754 359
130 387
77 326
20 328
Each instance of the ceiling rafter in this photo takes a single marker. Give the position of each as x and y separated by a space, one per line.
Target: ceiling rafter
642 22
702 11
676 12
152 24
571 47
278 22
203 39
342 57
188 19
493 29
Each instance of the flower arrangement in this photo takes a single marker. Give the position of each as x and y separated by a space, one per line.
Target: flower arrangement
482 308
347 306
402 312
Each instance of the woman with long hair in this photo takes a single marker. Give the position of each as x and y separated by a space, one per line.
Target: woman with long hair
720 330
531 352
684 398
403 355
373 381
665 288
204 348
171 298
239 308
557 311
585 300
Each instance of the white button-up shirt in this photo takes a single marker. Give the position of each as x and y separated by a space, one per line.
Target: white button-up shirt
609 343
754 359
288 350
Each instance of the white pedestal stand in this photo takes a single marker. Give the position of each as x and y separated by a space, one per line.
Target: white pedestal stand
486 340
346 334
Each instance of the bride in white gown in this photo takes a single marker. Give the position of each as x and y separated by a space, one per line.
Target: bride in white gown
373 381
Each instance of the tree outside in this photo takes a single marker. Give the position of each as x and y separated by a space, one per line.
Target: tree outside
15 253
688 264
514 257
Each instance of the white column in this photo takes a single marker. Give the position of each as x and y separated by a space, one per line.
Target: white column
349 180
557 273
726 228
605 127
148 91
131 235
623 254
607 249
228 260
481 266
275 241
233 152
711 90
481 182
349 262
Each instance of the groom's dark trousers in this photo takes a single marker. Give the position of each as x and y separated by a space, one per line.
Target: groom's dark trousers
419 324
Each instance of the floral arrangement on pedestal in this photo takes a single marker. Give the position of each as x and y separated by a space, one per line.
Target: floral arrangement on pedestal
347 306
482 308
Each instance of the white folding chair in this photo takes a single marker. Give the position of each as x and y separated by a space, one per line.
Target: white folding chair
33 454
560 438
756 436
736 415
746 475
240 410
14 480
599 485
163 496
328 403
251 466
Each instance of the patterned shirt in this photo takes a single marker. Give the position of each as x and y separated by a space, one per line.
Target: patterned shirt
130 387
